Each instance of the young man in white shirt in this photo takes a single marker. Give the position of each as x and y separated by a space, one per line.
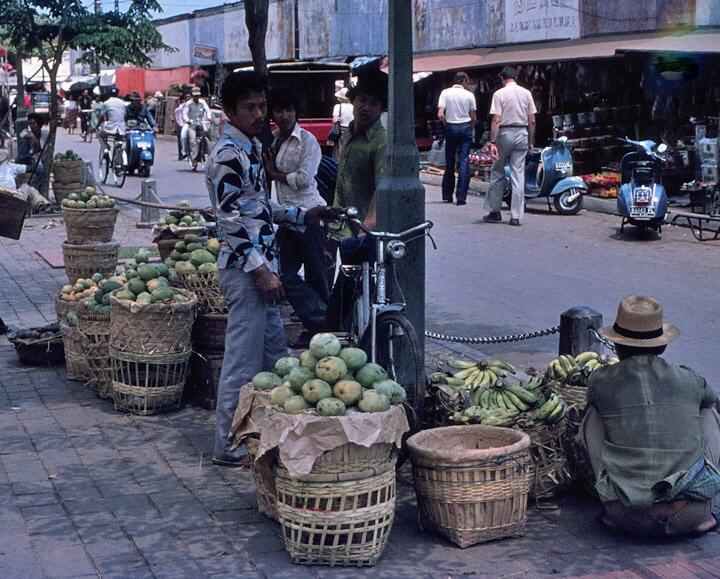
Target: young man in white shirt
292 164
512 134
457 107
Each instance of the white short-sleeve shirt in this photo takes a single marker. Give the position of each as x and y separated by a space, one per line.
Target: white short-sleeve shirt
458 104
514 104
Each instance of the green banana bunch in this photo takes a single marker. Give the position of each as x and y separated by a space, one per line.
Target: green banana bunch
552 410
479 374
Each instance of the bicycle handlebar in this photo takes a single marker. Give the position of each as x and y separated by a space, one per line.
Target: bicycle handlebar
386 235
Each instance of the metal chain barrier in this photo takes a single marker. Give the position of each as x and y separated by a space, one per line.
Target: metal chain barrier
492 339
604 341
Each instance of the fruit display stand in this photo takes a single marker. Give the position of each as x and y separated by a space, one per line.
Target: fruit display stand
149 349
89 225
335 482
167 239
82 261
471 482
94 329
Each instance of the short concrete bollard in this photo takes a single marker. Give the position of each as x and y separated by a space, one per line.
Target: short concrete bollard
148 193
575 336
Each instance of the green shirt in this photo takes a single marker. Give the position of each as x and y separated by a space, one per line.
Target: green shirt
361 166
650 410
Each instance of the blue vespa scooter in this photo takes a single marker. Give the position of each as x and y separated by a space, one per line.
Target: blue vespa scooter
140 148
642 200
549 174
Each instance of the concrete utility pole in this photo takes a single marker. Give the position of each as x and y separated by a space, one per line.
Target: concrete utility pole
98 6
401 196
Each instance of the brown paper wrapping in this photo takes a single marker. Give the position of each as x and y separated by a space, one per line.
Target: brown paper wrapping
248 414
302 438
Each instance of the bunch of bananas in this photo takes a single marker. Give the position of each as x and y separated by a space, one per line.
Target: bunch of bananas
552 410
478 374
575 370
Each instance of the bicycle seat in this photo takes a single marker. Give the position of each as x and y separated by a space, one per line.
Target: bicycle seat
354 271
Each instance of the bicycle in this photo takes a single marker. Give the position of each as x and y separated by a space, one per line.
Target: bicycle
203 147
378 324
114 160
85 123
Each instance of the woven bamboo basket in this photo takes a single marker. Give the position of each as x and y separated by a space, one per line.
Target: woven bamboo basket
75 362
207 289
62 190
336 519
63 307
94 328
208 334
550 469
350 458
204 379
264 478
147 385
82 261
574 394
89 225
69 171
159 329
165 246
471 481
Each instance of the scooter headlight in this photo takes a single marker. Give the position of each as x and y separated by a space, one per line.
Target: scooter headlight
396 248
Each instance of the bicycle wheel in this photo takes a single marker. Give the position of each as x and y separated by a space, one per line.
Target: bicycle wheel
104 169
398 351
118 167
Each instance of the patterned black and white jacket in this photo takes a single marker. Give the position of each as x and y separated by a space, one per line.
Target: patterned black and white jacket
244 212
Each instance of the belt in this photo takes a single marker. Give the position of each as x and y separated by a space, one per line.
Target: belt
513 126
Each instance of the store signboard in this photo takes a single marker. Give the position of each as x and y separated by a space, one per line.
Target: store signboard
533 20
207 52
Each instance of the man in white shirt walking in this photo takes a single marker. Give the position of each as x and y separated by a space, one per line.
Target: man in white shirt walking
512 134
456 107
292 164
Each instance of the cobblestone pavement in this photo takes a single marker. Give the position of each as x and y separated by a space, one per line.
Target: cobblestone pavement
86 491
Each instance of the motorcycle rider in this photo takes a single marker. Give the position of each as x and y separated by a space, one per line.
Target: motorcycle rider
85 104
196 113
139 113
113 113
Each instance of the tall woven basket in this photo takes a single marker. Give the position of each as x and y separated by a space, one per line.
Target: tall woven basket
206 286
89 225
471 481
152 329
264 476
69 172
82 261
337 519
208 334
75 362
94 327
62 190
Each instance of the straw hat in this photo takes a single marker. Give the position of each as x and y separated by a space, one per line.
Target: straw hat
639 323
341 95
196 91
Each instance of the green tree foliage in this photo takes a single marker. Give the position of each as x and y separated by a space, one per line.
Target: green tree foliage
48 28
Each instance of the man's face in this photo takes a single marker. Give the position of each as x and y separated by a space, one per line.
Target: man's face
366 109
196 97
33 126
285 118
249 114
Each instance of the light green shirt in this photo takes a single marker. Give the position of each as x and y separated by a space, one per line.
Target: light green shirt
361 166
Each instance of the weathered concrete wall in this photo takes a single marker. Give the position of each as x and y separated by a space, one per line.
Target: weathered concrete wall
707 12
314 19
443 24
176 35
358 27
618 16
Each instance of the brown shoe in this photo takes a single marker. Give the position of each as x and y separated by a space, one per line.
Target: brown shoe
242 462
495 217
515 222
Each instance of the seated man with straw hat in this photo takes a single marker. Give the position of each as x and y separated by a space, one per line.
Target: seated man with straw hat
652 432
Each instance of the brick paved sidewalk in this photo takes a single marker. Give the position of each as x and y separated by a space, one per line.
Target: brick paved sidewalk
85 491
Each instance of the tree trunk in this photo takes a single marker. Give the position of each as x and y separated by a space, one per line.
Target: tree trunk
256 20
49 153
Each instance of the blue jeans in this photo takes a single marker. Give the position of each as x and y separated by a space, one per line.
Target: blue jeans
458 138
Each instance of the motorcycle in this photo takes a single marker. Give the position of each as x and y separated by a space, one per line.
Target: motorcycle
549 174
140 141
642 200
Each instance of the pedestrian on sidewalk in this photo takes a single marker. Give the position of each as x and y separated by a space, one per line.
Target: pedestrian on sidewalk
343 114
247 263
292 163
512 134
456 107
651 431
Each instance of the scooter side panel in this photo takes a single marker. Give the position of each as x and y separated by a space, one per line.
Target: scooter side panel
568 183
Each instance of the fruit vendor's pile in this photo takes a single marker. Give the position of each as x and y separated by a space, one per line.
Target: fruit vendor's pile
575 370
179 219
603 184
485 393
87 199
193 255
329 380
68 155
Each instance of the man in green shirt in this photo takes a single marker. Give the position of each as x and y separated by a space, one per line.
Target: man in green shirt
361 166
652 431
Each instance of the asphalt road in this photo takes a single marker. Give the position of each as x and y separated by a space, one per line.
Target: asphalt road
492 279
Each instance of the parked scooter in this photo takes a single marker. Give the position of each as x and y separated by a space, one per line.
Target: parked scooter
548 173
642 200
140 141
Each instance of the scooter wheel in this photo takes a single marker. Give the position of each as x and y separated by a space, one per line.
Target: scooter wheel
566 207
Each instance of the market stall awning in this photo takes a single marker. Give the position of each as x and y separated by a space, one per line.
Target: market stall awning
450 60
695 42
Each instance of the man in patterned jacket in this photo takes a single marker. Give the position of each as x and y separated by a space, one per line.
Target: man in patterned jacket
248 261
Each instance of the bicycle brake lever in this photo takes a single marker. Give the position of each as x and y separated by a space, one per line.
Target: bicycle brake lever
432 240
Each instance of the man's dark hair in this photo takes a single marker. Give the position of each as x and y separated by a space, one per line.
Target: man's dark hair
238 86
508 73
37 118
461 78
374 84
625 352
281 98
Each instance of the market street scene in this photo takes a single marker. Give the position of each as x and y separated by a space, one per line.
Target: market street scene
434 296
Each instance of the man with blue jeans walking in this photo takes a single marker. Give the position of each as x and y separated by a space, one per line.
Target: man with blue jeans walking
456 107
